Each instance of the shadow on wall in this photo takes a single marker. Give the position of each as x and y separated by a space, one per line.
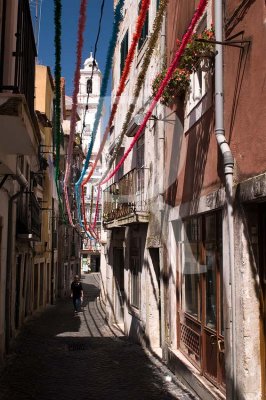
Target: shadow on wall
196 160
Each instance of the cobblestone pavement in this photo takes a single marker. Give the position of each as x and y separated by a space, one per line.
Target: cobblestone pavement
62 356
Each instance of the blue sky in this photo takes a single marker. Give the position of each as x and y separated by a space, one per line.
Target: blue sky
70 14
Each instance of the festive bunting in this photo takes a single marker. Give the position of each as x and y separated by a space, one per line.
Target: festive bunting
139 83
168 75
157 25
128 62
107 71
139 25
81 27
57 117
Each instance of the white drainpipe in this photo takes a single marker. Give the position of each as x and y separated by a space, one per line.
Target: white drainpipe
162 206
228 170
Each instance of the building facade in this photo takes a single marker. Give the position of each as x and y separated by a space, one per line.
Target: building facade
30 264
19 162
215 292
183 260
70 240
131 215
88 100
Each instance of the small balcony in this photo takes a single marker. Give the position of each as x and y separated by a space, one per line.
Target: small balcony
28 218
125 202
19 131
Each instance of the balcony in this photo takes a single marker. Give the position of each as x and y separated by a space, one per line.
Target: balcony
19 132
28 218
124 201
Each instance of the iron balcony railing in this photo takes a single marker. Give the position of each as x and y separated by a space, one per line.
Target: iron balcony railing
29 217
126 197
23 79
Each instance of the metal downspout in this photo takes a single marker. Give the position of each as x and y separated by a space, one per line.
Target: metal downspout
23 185
161 201
228 171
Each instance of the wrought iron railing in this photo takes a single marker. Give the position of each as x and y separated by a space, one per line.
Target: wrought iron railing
126 197
24 72
29 216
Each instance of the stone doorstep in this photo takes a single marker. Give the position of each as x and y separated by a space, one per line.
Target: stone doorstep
190 376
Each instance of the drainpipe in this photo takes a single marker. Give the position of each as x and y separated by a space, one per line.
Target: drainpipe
161 197
228 171
9 262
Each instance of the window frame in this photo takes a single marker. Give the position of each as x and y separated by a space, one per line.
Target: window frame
123 51
145 29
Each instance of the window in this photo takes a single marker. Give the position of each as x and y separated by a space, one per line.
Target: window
123 52
140 164
89 86
198 79
157 4
191 273
145 30
87 130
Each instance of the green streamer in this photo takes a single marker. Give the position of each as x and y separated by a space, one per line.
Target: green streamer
57 102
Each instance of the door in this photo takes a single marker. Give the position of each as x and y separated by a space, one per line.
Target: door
212 318
18 280
119 294
200 321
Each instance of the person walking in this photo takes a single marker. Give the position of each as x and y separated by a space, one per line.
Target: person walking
77 294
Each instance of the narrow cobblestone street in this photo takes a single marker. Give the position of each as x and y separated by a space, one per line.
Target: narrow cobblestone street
62 356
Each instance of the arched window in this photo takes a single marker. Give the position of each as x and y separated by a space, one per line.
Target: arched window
89 86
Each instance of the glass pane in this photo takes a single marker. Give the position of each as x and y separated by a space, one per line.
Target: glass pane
210 223
210 286
191 277
220 266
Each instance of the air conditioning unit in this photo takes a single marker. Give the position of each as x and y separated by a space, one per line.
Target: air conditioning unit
134 125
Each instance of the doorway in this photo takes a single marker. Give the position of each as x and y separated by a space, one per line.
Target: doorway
119 293
155 258
18 280
200 329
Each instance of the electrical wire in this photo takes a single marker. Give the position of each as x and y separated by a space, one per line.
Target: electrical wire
93 64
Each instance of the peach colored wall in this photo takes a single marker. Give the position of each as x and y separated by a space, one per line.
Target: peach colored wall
191 161
245 99
176 27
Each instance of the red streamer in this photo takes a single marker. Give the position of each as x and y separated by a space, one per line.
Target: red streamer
171 69
139 25
81 27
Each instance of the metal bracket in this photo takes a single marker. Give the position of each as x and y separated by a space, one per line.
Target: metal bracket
3 180
232 43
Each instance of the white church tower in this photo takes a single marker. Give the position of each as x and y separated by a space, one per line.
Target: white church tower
88 99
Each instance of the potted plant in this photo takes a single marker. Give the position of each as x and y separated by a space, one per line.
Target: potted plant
197 53
176 87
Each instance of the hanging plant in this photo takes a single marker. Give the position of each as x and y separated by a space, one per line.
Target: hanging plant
194 53
177 86
196 50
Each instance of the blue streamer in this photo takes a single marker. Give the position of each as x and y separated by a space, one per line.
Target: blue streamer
118 16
